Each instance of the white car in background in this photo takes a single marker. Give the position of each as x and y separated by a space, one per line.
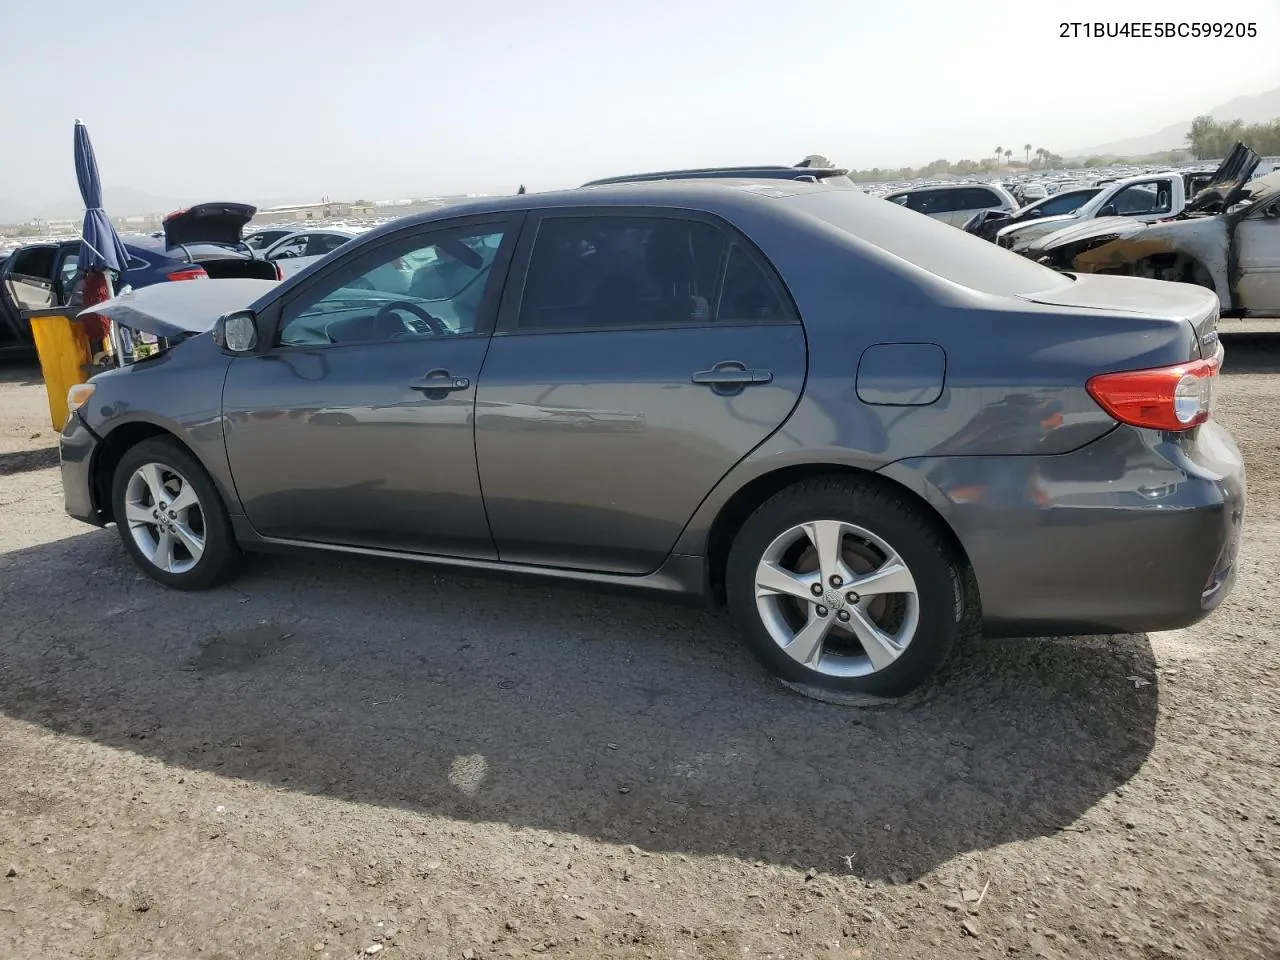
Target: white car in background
955 203
301 248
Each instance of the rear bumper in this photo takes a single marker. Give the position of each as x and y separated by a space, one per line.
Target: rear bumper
76 447
1137 531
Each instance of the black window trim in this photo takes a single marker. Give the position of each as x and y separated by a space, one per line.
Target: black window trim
512 224
518 274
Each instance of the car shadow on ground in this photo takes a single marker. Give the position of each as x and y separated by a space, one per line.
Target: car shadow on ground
540 706
1250 353
22 373
24 461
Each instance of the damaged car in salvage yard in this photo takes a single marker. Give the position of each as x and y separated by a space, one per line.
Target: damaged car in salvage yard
867 433
1228 241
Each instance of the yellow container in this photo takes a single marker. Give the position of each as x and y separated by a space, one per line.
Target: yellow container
65 359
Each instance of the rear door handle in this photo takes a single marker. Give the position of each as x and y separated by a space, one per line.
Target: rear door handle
730 373
439 381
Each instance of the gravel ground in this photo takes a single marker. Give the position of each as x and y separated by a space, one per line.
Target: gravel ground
333 758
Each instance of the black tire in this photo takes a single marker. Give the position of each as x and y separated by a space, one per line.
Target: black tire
221 556
947 605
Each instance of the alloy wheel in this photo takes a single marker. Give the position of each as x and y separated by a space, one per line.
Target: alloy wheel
165 518
836 598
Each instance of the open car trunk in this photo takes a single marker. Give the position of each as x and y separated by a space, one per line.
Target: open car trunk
223 268
220 223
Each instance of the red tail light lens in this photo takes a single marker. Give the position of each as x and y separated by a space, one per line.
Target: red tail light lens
190 273
1164 398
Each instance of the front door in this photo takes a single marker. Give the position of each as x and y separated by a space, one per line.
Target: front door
646 355
355 428
1258 246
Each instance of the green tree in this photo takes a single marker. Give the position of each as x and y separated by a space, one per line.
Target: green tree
1026 148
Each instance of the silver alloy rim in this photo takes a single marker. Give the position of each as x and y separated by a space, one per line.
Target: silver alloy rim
165 517
836 598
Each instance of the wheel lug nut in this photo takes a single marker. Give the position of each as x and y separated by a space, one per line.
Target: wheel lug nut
821 611
843 616
835 580
173 515
816 589
852 597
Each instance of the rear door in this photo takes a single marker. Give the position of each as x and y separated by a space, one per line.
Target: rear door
639 355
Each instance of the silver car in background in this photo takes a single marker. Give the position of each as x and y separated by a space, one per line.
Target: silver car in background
955 203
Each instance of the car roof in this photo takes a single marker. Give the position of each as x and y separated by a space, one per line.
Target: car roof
764 171
708 195
959 184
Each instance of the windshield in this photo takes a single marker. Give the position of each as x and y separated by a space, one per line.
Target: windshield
930 244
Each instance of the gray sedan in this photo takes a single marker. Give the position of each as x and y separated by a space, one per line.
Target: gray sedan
867 432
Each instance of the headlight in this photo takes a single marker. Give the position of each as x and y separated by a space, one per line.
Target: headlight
79 395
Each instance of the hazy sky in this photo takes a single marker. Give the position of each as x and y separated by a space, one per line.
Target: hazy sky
251 99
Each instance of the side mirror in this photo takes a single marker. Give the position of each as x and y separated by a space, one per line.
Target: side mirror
237 332
1108 211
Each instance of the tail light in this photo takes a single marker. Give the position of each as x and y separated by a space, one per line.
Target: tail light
279 270
1178 397
189 273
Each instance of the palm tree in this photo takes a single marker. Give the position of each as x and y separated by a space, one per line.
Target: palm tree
1008 155
1027 147
999 151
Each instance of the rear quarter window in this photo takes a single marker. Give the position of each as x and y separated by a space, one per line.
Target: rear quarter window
977 198
930 244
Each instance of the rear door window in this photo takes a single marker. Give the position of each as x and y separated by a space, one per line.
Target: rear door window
625 272
977 198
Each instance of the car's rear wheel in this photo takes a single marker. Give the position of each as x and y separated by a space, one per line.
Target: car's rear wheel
847 586
171 518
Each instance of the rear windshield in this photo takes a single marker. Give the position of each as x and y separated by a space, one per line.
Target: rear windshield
930 244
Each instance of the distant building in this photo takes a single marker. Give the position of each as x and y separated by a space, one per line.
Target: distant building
325 210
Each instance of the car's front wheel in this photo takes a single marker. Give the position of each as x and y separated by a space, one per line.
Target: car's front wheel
847 586
171 518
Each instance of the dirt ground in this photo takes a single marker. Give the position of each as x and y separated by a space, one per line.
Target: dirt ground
333 758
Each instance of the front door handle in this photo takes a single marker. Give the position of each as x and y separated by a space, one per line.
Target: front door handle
439 382
730 374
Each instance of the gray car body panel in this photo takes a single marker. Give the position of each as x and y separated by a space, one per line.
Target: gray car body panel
1011 409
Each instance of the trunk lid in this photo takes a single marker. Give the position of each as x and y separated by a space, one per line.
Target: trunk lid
220 223
1194 305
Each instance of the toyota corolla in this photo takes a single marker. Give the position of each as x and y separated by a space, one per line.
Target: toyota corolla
867 433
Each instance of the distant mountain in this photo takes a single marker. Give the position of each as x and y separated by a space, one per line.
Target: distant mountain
11 211
1260 109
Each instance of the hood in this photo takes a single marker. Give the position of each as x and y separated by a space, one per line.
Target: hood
1110 227
208 223
173 310
1038 222
1227 185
